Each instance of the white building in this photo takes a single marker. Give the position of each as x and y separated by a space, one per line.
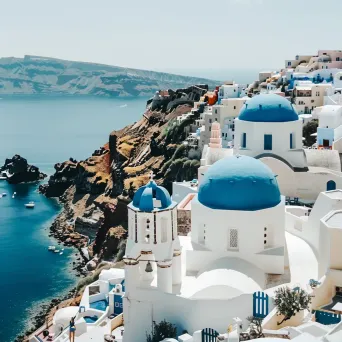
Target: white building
329 131
224 114
237 239
268 128
308 96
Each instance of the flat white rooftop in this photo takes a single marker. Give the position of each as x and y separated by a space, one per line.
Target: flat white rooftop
334 194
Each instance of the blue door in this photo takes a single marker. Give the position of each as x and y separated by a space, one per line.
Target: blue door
117 304
260 304
268 142
243 140
331 185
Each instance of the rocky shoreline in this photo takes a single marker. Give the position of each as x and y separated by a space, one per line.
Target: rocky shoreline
95 192
46 312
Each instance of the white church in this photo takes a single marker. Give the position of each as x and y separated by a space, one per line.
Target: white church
209 277
243 242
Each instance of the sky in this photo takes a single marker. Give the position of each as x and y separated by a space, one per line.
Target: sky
191 36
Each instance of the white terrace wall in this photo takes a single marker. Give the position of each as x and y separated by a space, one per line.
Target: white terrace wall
186 314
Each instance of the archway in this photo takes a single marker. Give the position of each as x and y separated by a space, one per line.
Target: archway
331 185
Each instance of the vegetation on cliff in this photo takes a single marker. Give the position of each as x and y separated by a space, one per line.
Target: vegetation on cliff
95 192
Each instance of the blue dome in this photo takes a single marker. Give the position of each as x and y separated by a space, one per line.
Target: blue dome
239 183
268 108
144 197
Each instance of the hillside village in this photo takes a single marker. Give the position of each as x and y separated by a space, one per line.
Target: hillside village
216 217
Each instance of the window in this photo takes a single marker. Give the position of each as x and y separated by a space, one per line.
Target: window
234 107
243 140
210 129
222 135
210 121
215 111
317 93
201 234
163 226
292 141
233 239
145 231
337 59
288 63
268 142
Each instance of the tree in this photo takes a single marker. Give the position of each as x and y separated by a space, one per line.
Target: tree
289 302
308 129
255 327
161 330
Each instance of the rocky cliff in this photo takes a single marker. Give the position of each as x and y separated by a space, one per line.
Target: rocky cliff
95 192
42 75
17 170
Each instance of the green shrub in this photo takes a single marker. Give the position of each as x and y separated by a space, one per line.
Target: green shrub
161 331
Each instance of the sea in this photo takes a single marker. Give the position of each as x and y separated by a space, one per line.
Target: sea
44 130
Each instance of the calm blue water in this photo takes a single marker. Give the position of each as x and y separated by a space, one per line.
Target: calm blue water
44 131
90 319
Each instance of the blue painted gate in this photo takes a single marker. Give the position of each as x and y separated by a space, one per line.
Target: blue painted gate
327 318
260 304
209 335
117 304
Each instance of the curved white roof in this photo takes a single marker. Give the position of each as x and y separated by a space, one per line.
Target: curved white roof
113 273
224 284
63 316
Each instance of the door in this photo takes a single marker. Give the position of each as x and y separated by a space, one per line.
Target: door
260 304
331 185
326 143
268 142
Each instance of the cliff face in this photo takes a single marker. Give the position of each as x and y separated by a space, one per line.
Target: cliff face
41 75
96 191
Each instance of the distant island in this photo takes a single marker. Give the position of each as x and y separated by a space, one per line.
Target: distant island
44 75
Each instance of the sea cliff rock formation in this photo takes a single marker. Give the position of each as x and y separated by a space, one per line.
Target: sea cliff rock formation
18 170
42 75
95 192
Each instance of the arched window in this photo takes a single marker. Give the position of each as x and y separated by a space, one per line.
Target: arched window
331 185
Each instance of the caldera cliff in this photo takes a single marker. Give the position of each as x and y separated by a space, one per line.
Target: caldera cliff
95 192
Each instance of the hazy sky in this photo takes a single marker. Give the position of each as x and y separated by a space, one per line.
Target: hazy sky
171 35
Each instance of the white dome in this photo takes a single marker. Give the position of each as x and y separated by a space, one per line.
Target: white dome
113 273
63 316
